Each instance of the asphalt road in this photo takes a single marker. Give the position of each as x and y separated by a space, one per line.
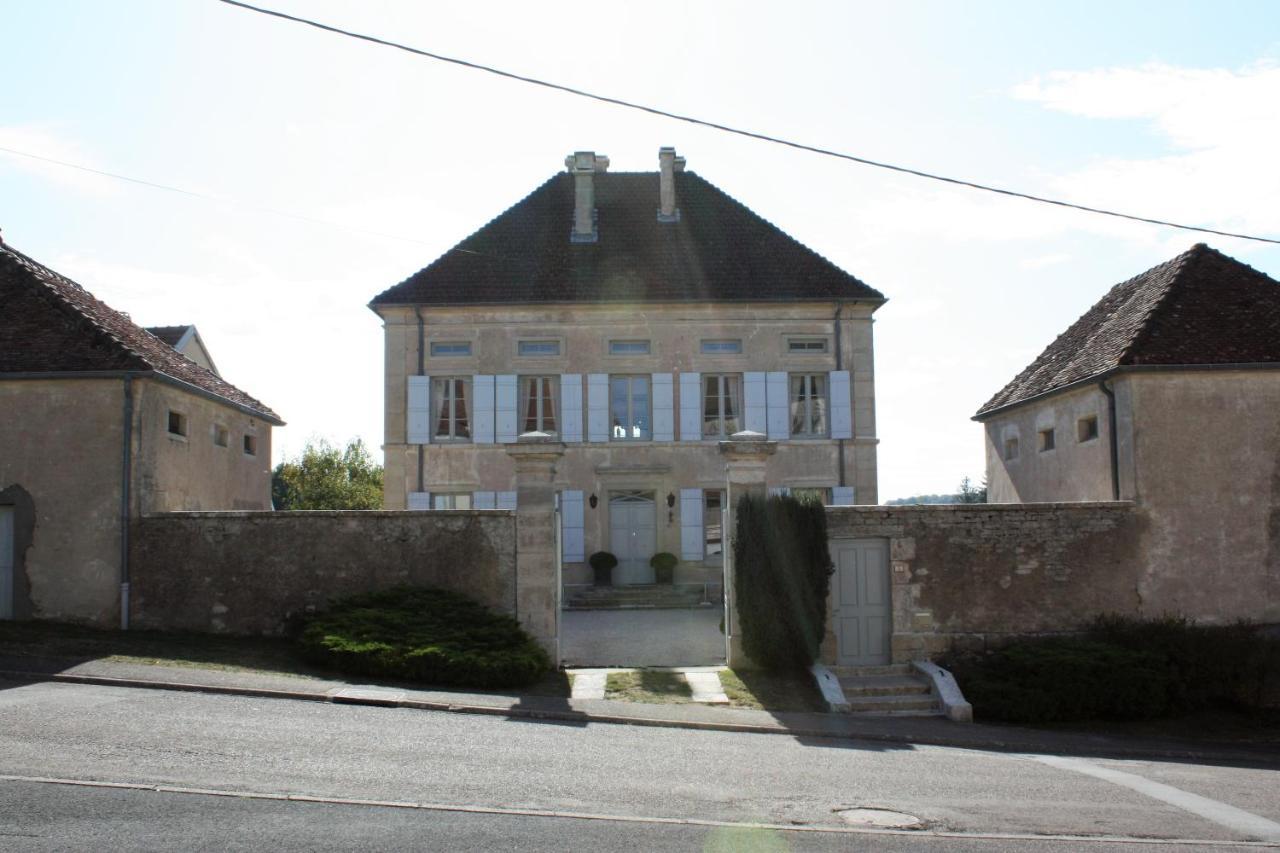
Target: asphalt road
477 782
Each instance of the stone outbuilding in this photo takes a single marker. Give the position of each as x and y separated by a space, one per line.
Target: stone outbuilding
100 423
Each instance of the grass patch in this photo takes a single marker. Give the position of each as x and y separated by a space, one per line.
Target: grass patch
646 685
771 691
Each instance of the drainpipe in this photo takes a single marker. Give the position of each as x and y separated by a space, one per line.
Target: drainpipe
422 370
839 366
1115 440
126 465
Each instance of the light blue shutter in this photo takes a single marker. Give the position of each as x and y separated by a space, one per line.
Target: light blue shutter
482 500
597 407
779 406
754 400
482 409
571 407
418 410
664 416
571 526
841 405
419 500
504 405
506 500
691 524
842 495
690 406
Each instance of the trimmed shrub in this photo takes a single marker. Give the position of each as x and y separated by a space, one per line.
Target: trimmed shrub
602 563
664 566
424 635
782 575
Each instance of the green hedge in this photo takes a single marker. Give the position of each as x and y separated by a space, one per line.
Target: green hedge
782 574
424 635
1122 669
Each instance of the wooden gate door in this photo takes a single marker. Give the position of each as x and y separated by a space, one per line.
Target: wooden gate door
862 614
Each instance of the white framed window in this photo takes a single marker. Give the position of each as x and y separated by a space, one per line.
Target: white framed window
449 406
1087 428
721 404
177 424
250 445
629 348
722 346
807 346
629 415
450 349
538 396
544 348
1048 439
451 500
221 435
712 530
808 405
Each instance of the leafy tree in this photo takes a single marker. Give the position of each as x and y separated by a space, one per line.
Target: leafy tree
971 494
324 477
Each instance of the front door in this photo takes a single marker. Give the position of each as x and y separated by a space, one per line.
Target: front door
6 562
632 536
861 591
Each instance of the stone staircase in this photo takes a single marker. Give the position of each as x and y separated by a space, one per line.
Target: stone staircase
894 690
639 596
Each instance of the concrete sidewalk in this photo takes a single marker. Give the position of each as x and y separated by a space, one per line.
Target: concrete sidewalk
905 731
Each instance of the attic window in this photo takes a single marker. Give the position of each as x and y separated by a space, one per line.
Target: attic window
806 346
1047 439
447 349
177 424
1011 448
551 347
1087 428
730 346
628 347
250 445
221 436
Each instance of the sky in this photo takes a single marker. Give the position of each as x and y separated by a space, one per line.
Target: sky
326 170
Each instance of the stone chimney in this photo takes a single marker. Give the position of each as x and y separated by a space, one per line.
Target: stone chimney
668 165
583 165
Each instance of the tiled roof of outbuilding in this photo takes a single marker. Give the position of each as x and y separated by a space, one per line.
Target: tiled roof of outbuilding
50 324
1200 308
719 251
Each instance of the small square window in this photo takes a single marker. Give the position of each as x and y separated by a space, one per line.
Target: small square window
177 423
1047 439
221 435
1087 428
806 346
250 445
731 346
628 347
450 349
451 500
539 348
1011 448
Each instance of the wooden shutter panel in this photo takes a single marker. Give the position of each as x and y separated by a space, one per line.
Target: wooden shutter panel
664 423
842 495
691 407
571 407
504 406
572 539
483 500
691 536
754 402
597 407
482 412
419 500
418 410
779 400
841 407
506 500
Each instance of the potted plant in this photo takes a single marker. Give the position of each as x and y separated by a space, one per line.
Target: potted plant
664 566
602 563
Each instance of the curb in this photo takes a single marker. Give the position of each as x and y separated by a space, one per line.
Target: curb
584 717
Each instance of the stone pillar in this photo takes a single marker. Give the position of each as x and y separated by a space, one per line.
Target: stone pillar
537 563
746 457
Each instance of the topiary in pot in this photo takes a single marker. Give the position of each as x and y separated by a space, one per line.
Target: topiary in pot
664 566
602 563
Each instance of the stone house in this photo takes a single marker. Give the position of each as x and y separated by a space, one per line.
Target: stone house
100 423
640 318
1165 393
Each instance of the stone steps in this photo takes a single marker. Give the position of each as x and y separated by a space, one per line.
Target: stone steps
886 685
646 596
893 690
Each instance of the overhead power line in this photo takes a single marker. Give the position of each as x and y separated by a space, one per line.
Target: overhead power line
762 137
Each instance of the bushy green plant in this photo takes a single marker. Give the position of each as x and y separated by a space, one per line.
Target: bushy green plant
602 563
782 575
424 635
664 566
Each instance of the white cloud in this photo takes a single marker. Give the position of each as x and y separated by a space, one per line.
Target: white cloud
49 141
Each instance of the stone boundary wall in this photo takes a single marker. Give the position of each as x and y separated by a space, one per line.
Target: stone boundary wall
970 575
256 572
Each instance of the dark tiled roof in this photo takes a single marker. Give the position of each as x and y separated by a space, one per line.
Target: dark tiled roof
169 334
719 251
1202 307
50 324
